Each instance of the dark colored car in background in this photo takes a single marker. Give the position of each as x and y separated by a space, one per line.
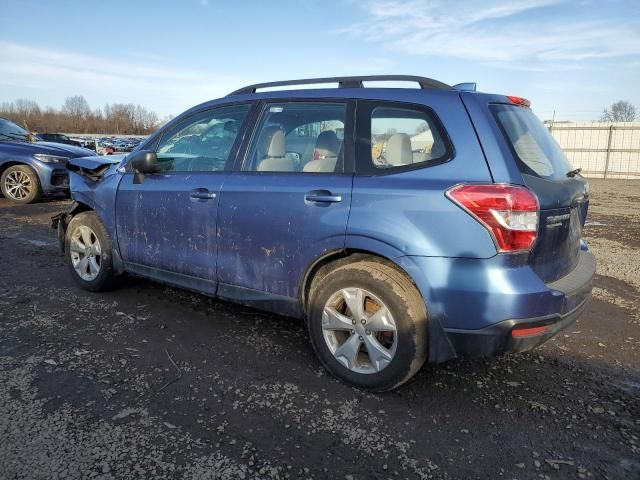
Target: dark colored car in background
58 138
31 168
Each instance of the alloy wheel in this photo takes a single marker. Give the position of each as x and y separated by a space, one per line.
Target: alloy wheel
18 185
86 253
359 330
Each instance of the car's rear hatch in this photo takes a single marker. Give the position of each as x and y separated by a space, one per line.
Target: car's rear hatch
562 194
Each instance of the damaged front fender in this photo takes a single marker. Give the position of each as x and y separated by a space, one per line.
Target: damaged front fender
94 182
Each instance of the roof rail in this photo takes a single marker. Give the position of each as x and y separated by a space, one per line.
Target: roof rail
347 82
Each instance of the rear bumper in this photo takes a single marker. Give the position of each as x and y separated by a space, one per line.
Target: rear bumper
497 339
474 304
574 290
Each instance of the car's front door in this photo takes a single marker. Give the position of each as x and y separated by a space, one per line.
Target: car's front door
288 205
166 225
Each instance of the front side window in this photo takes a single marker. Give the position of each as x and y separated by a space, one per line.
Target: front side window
403 136
202 143
299 137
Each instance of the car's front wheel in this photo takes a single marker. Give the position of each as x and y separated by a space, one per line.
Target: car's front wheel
368 324
88 249
20 184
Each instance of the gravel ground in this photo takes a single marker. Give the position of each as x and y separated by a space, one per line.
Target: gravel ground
149 381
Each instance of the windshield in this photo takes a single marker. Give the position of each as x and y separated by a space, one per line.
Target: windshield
536 151
11 131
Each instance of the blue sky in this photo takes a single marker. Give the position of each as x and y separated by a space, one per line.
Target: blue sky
574 57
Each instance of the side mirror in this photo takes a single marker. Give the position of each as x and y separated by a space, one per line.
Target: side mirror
143 162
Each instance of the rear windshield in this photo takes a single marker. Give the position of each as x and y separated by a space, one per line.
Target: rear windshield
536 151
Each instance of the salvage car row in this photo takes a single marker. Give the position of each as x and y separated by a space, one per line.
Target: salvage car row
33 165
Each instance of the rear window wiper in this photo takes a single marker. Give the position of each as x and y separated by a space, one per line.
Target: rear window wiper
573 173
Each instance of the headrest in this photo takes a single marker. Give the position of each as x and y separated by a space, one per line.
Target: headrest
328 143
230 127
399 150
272 142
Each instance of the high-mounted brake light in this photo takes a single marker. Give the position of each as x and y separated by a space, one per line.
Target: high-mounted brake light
509 212
523 102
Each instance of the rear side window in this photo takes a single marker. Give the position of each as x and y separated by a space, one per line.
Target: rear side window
535 150
399 137
299 137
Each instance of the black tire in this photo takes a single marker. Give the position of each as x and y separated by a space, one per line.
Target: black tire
105 277
403 301
35 191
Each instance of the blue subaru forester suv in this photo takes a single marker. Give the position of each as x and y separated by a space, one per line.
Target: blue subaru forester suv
403 225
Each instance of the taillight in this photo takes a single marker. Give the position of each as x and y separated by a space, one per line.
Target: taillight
509 212
523 102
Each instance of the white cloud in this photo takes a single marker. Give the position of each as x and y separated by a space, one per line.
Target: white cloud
156 84
493 32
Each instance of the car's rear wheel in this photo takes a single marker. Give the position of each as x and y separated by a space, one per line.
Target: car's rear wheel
368 324
88 249
20 184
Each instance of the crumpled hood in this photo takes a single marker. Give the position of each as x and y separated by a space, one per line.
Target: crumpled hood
94 167
94 162
47 148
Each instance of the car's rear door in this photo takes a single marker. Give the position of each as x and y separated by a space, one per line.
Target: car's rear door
288 203
519 147
166 224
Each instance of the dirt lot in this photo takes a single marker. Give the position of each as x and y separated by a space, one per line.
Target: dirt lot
149 381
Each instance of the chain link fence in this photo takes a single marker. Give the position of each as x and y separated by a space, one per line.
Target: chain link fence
603 150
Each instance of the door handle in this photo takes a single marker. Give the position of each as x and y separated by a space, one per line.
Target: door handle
322 196
202 194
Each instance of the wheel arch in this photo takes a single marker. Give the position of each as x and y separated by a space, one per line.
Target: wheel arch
61 222
22 162
12 163
440 348
343 257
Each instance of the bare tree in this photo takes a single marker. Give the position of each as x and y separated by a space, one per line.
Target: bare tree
76 116
422 127
25 111
76 106
78 110
620 111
